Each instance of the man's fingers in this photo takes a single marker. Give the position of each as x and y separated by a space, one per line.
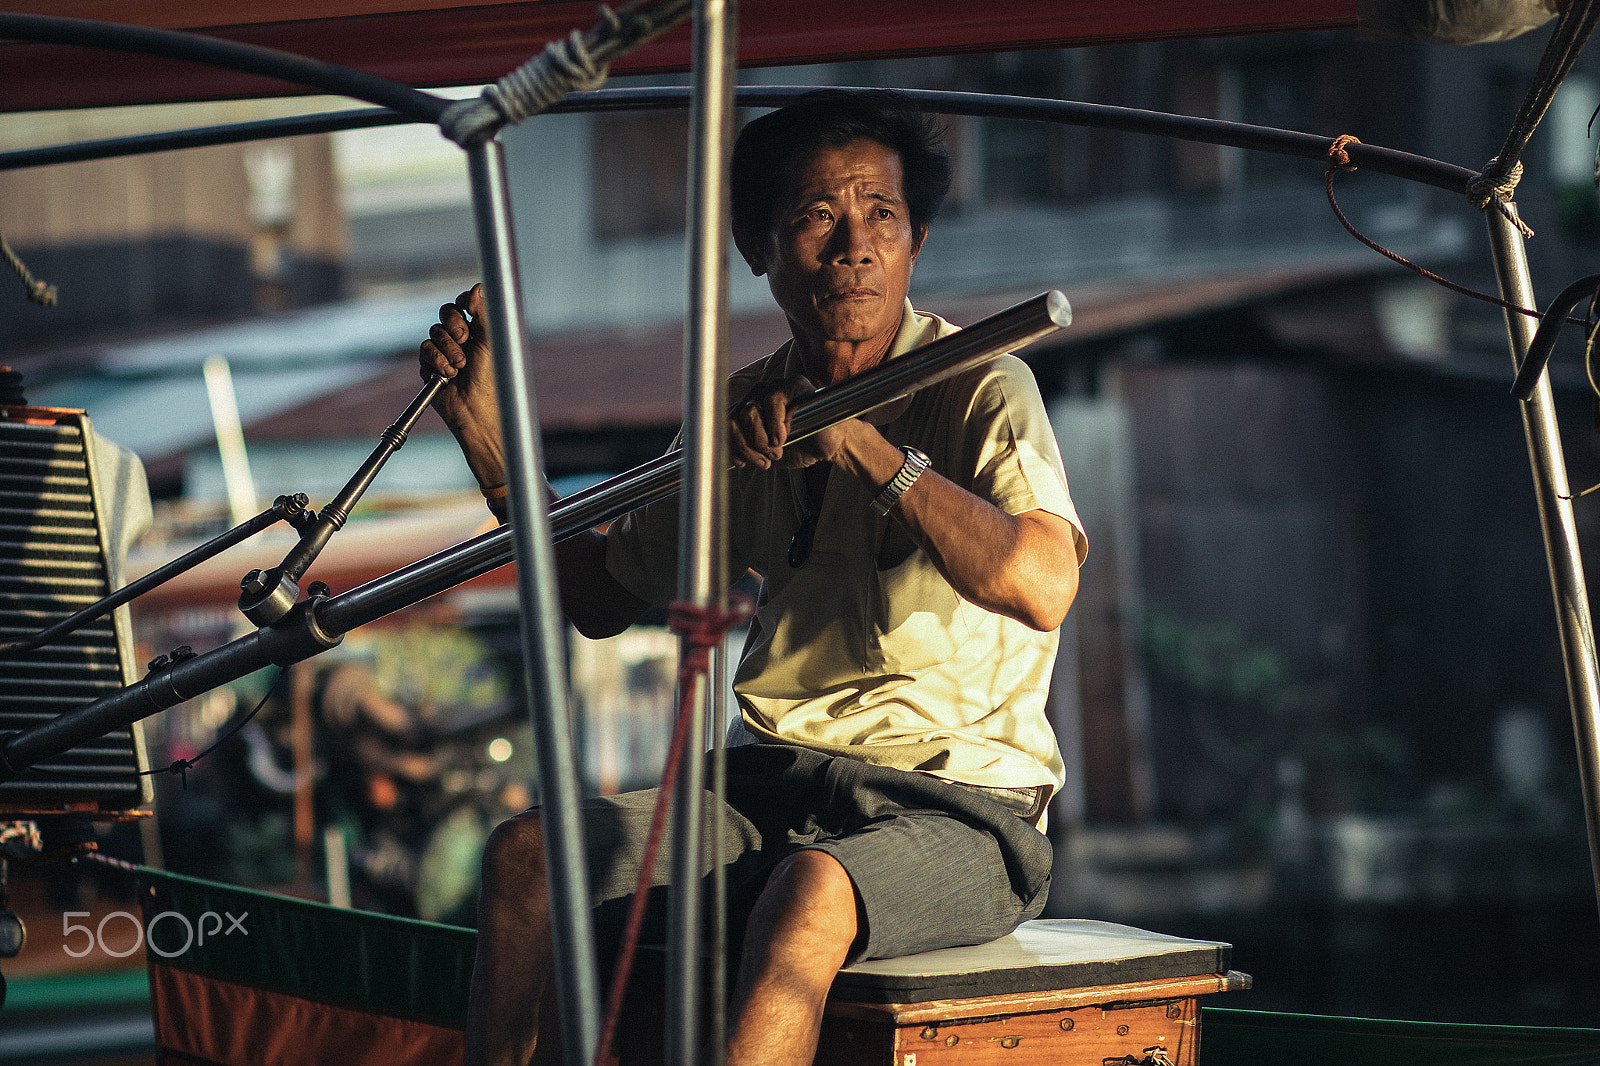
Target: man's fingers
445 343
775 418
761 427
451 318
748 443
432 361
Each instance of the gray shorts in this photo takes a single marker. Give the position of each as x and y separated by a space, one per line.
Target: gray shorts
935 864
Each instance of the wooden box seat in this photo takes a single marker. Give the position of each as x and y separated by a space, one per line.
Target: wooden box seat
1058 991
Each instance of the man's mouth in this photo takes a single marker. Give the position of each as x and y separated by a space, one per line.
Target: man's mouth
859 292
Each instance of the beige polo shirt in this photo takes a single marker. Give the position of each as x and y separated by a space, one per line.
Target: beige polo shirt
866 651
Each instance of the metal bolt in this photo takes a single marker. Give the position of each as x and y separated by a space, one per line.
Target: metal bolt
952 1040
1174 1011
318 588
1010 1041
930 1032
255 582
1122 1030
158 662
1067 1024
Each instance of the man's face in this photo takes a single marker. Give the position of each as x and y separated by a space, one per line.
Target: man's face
840 251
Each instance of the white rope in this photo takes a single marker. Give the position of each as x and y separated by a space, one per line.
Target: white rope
565 65
1495 186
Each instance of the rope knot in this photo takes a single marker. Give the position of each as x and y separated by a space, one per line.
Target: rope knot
704 628
566 65
1338 158
1493 184
1495 187
181 768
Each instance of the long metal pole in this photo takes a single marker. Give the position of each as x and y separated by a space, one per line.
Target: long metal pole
543 646
1560 531
318 623
703 550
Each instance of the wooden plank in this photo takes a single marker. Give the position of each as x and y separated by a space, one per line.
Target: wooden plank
947 1010
1087 1035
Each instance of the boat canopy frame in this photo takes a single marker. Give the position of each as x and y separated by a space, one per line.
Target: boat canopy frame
318 622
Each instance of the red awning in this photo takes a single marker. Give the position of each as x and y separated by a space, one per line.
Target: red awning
424 43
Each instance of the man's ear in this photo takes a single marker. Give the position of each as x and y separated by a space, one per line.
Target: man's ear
753 251
916 245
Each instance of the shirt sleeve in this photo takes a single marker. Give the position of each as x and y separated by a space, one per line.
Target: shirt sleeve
642 551
1010 453
642 546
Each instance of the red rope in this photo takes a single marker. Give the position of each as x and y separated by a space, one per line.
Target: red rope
1339 160
702 629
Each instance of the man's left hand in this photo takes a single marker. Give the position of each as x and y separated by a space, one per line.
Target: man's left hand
760 427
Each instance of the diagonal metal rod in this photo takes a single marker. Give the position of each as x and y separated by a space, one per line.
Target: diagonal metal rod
1006 331
1560 531
283 509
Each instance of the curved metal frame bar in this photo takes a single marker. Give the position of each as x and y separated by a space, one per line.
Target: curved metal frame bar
1389 161
1544 338
213 51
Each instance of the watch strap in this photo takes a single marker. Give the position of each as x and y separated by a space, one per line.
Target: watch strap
915 463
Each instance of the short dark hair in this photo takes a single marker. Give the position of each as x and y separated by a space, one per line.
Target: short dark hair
830 118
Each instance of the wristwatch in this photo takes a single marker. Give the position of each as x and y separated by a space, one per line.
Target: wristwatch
916 462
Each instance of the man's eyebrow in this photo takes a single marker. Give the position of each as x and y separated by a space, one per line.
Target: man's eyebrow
830 196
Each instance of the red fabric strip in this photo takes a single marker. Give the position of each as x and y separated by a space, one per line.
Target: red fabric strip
231 1024
456 45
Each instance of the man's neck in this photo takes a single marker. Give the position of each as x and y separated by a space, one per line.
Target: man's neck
830 362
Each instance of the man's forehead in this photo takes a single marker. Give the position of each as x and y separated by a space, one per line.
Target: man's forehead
831 169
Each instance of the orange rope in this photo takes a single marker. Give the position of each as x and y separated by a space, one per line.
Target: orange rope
1339 160
703 628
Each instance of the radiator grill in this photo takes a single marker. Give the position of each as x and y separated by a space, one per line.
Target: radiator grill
53 563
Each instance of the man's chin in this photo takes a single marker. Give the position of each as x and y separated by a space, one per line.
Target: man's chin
856 329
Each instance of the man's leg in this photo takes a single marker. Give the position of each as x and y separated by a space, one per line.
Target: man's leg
799 934
511 974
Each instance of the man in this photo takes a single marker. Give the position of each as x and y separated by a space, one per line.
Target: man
915 565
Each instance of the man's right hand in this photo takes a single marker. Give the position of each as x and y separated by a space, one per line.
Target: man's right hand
458 347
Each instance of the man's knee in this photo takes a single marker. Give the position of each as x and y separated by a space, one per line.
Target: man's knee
514 853
811 891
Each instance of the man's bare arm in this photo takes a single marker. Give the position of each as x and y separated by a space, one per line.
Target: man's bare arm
458 347
1022 566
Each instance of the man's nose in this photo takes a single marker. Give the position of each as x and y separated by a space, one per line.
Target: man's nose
851 243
